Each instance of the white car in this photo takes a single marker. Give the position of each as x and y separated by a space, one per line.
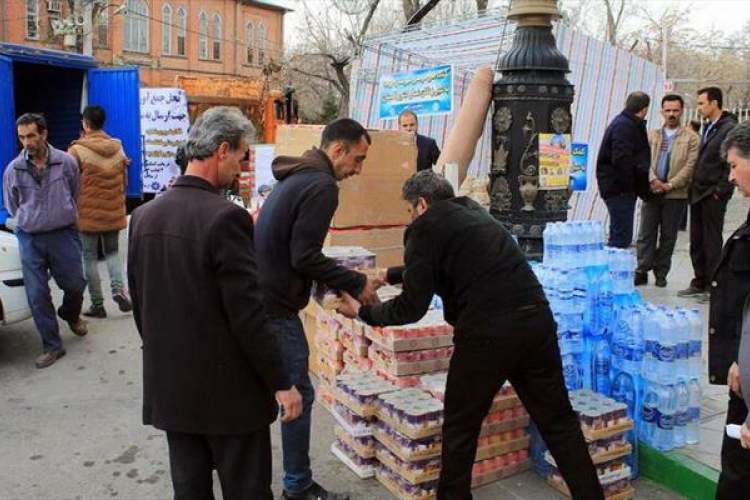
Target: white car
14 306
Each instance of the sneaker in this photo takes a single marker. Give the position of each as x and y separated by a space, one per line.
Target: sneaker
123 301
49 358
690 291
704 298
315 492
661 282
96 312
640 279
78 327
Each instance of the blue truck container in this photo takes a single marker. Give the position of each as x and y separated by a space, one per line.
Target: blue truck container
59 85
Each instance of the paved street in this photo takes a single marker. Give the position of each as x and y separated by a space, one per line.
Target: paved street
73 431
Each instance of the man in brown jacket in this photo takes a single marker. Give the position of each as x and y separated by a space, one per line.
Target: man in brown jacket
101 206
674 151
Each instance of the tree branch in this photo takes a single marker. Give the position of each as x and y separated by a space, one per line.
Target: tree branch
328 79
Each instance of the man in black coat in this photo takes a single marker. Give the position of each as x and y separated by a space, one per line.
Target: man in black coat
289 240
428 151
503 330
211 362
622 167
709 193
730 292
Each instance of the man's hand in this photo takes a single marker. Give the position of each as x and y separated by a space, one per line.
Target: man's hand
657 186
379 276
733 379
291 404
745 436
349 307
667 187
368 295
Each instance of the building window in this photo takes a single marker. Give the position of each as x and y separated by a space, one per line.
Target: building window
181 31
32 19
136 26
102 29
250 41
217 38
203 36
166 29
261 43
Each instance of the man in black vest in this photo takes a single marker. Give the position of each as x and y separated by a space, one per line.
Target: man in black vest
503 330
211 362
709 193
428 151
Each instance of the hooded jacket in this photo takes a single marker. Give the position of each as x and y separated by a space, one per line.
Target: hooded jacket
290 232
104 176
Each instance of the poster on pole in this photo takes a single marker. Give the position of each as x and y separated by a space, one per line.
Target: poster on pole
426 91
579 162
164 124
554 161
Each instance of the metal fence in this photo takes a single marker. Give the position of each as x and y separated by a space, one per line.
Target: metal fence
742 114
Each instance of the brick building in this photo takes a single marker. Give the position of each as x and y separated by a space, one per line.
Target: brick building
165 38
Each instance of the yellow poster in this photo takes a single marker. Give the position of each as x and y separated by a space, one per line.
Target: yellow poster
554 161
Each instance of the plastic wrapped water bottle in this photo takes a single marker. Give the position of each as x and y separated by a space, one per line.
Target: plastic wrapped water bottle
667 348
696 342
664 436
682 414
692 429
650 343
601 358
572 372
649 414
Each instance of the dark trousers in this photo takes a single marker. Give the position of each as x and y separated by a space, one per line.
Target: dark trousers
529 357
735 460
243 463
57 253
295 435
660 222
706 226
621 211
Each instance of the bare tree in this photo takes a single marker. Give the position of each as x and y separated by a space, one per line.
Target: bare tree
615 10
482 5
410 8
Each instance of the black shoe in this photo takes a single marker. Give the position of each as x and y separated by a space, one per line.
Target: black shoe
96 312
640 279
48 358
123 302
661 282
690 291
315 492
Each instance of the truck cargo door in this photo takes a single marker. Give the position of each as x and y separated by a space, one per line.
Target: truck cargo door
8 143
117 90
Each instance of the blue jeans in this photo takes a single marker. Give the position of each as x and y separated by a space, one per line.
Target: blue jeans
621 211
57 253
91 261
295 435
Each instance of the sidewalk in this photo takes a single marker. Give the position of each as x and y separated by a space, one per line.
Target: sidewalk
713 412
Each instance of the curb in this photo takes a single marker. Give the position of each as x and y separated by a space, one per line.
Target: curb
679 473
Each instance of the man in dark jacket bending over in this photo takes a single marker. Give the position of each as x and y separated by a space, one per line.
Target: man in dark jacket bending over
288 238
503 330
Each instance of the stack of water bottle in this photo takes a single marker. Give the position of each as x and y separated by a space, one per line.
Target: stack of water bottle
646 356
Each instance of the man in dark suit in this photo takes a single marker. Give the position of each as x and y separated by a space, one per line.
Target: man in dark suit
211 363
622 167
709 193
427 149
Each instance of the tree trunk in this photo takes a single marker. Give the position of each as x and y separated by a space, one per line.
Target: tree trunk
410 7
482 5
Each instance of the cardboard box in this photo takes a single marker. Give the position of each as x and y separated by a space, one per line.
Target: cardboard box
386 243
372 198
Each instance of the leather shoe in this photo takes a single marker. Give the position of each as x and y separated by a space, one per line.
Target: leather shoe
661 282
96 312
123 302
640 279
78 327
315 492
690 291
48 358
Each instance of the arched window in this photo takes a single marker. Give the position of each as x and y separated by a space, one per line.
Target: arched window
203 36
261 42
166 29
181 31
217 38
136 26
102 28
250 42
32 19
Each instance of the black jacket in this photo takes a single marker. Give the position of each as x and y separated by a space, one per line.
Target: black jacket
730 287
211 364
428 152
457 250
624 158
711 174
290 232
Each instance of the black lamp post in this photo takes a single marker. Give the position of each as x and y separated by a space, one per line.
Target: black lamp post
532 96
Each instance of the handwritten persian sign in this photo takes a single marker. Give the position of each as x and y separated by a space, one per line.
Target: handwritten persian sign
164 122
427 91
554 161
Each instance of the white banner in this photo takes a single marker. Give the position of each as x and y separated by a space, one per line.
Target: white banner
164 124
